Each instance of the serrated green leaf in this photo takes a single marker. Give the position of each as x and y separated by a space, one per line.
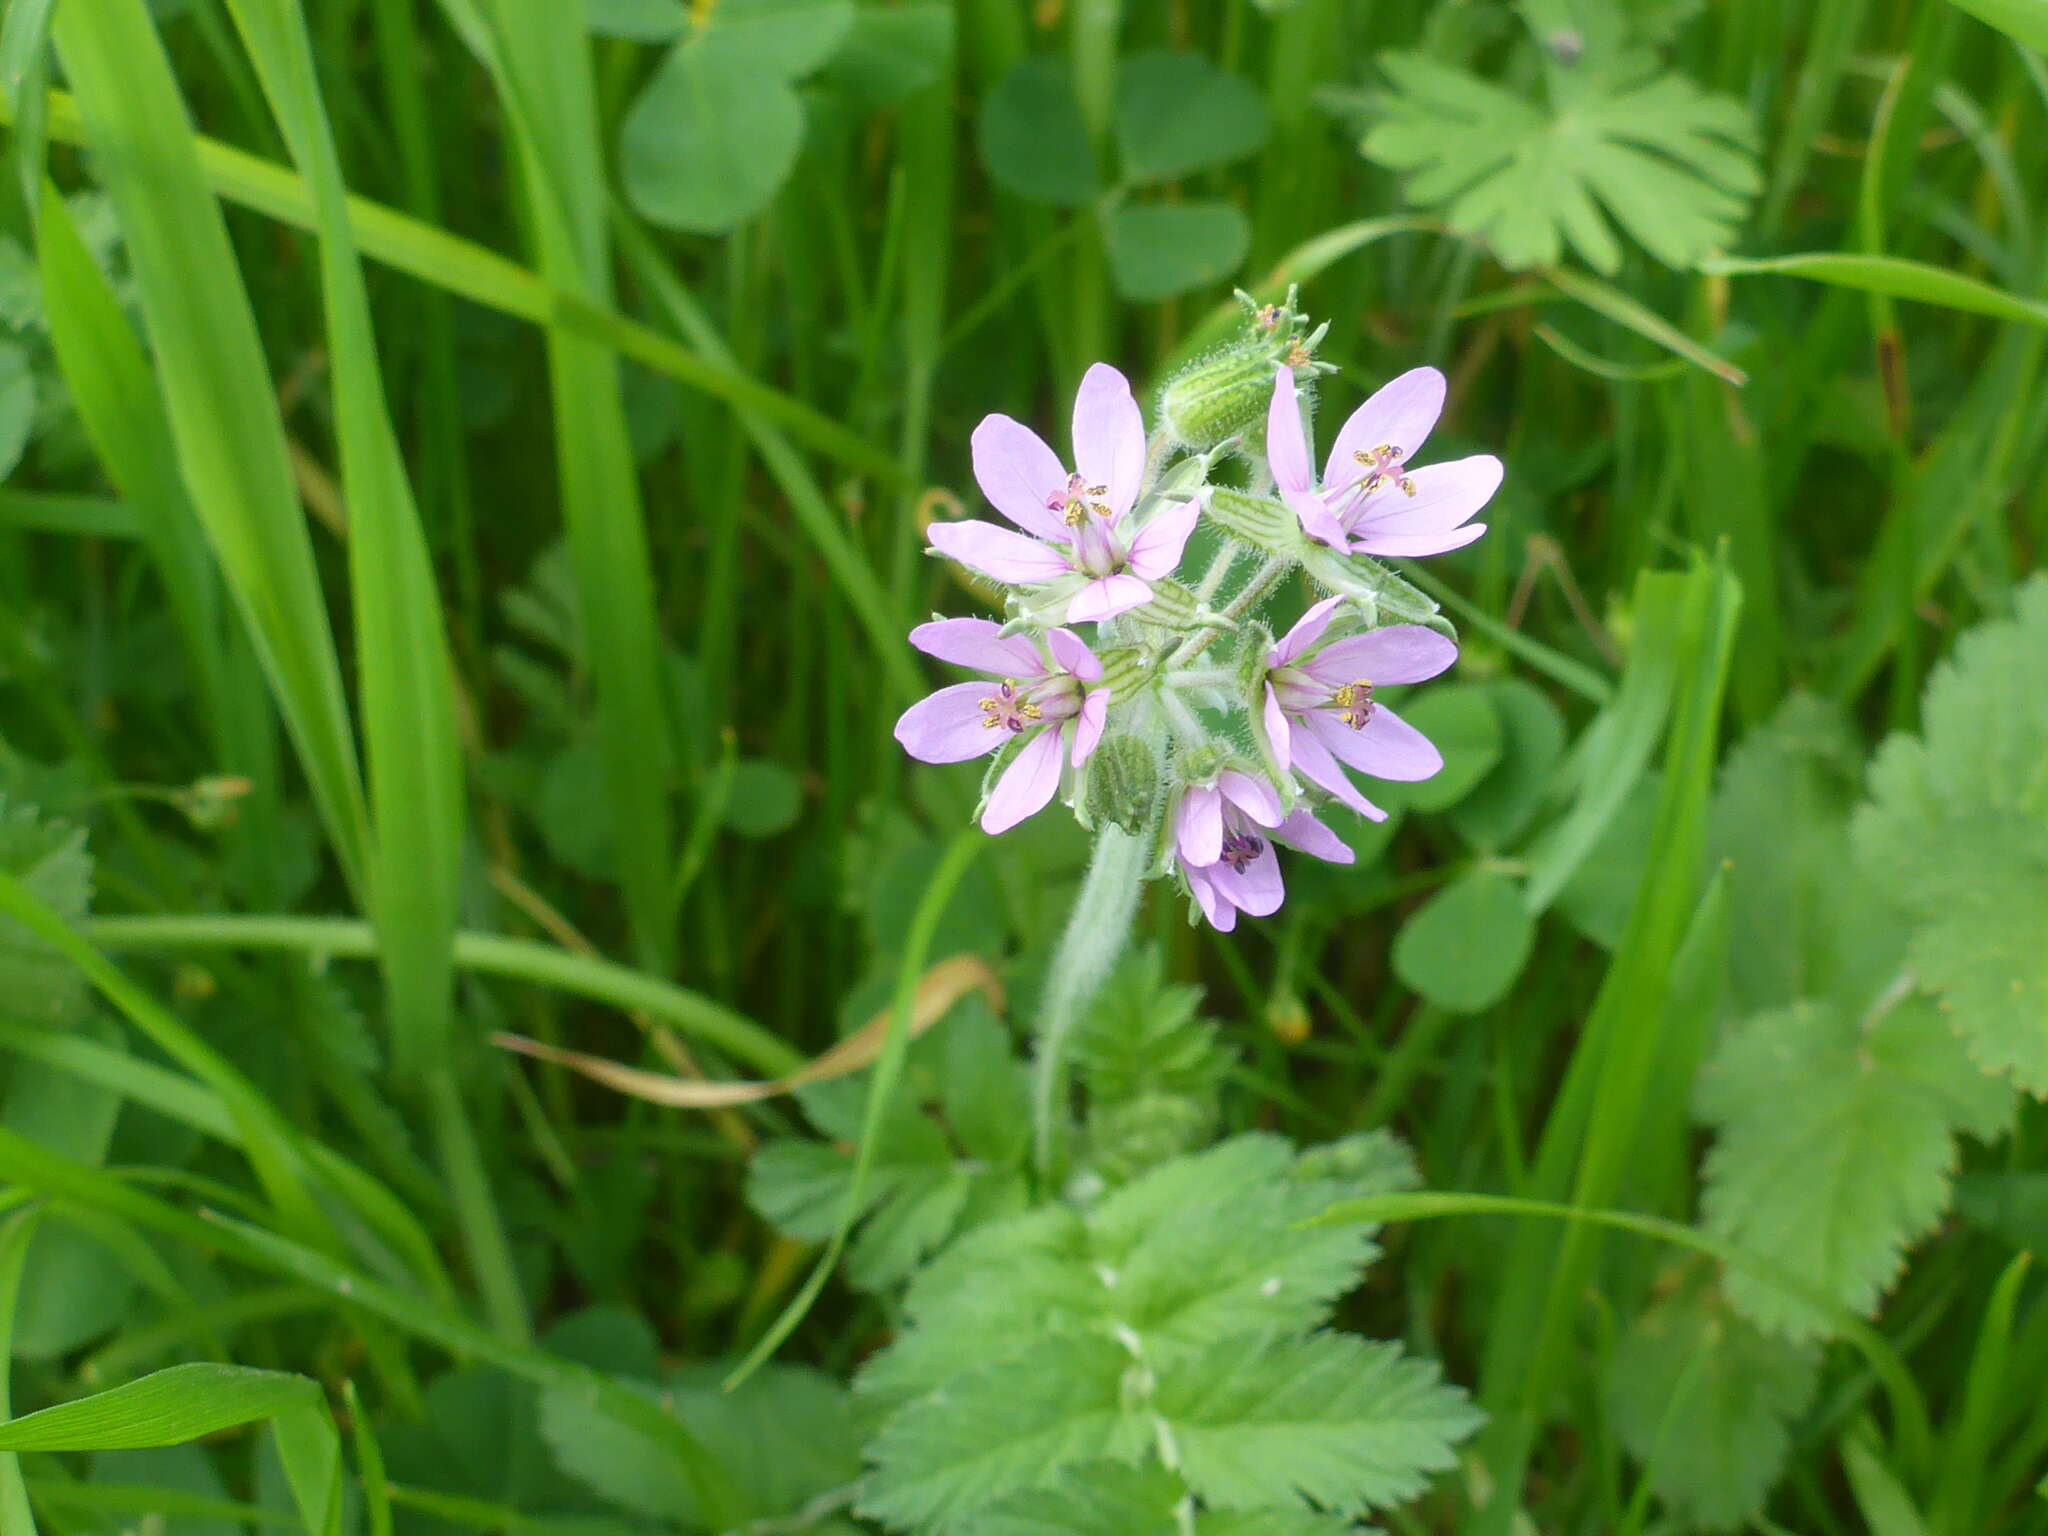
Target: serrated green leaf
1342 1423
1667 161
1157 250
1956 833
1202 1248
1464 947
1705 1402
1801 925
1001 1431
1177 113
1031 136
1108 1498
1836 1145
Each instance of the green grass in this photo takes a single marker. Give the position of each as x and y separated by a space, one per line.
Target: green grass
453 593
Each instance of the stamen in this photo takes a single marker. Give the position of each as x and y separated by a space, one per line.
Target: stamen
1004 709
1354 700
1241 850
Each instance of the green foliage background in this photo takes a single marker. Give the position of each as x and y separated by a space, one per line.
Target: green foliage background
465 465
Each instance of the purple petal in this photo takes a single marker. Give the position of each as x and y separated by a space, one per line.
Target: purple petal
1255 797
1278 736
949 727
1303 831
997 552
1089 723
1400 653
1387 747
1073 655
1445 495
1156 550
1109 436
1308 629
1316 765
1027 784
1399 415
1316 518
1286 438
1020 476
1415 546
1108 597
1198 830
1257 889
1221 914
975 643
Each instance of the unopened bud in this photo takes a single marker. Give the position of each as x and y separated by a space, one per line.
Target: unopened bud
1287 1017
1123 785
1224 394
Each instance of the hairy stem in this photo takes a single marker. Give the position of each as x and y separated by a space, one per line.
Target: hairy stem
1094 937
1262 581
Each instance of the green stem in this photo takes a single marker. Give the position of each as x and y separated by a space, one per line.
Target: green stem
476 1212
488 953
1095 935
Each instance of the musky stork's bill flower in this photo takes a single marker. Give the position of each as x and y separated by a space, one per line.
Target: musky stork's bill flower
1223 837
1033 692
1320 711
1369 501
1073 521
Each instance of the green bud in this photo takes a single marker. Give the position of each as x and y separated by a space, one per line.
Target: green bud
1123 785
1224 394
1173 606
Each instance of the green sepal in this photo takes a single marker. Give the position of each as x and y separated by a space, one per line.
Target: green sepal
1259 521
1382 597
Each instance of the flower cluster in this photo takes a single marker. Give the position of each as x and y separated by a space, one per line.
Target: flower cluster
1100 542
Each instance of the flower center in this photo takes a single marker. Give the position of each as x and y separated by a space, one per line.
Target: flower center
1008 709
1354 701
1384 465
1097 549
1241 850
1077 499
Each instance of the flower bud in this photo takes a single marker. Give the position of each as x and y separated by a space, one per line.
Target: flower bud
1123 785
1224 393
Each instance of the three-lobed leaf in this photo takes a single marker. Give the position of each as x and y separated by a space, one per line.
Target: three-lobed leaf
1176 113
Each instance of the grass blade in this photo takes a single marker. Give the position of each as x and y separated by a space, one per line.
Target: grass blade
216 389
1890 276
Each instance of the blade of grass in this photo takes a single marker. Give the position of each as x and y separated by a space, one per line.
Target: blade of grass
538 59
404 667
464 268
217 389
1891 276
487 953
16 1517
408 704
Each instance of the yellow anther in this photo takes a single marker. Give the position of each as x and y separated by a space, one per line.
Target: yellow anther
1355 702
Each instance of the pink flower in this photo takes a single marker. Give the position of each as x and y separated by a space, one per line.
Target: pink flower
1072 519
1370 502
1228 865
1028 693
1320 711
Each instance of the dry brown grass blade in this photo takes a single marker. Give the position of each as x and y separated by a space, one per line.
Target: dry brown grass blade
937 991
